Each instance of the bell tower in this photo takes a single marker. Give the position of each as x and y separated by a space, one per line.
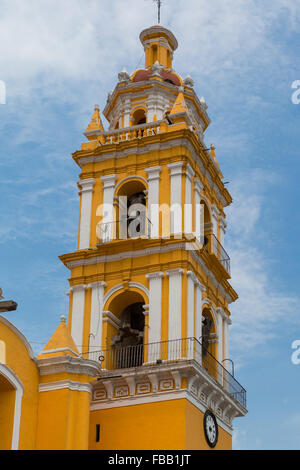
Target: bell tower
149 281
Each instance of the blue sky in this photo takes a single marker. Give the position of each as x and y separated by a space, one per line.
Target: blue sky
60 57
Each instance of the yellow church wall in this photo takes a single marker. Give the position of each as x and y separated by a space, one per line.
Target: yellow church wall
63 420
165 425
140 427
7 405
21 364
195 437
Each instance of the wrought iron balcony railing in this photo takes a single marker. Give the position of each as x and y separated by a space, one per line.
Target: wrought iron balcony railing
219 251
122 229
168 352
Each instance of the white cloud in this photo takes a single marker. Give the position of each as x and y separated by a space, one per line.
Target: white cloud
262 305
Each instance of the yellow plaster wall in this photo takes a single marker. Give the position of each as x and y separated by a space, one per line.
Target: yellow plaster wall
7 404
195 438
140 427
63 420
19 361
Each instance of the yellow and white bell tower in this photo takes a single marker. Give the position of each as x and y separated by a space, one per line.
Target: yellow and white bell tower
149 290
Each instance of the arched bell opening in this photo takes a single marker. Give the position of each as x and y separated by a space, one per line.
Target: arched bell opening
209 342
139 117
128 341
132 209
7 412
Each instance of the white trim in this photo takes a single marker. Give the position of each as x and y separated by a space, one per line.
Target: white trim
50 351
78 305
155 296
128 178
118 287
86 212
19 334
17 384
65 384
175 300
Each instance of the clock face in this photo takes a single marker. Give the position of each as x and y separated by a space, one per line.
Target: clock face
210 428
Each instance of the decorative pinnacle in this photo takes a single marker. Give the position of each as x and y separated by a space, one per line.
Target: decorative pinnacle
63 318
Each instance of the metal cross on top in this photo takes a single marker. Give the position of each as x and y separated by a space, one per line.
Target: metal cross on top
159 2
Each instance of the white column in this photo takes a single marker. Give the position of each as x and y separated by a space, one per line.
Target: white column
175 294
198 222
95 337
188 212
155 297
78 314
109 182
176 199
153 199
86 212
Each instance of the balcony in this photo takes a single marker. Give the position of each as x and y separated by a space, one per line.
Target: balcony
121 229
131 133
219 251
174 352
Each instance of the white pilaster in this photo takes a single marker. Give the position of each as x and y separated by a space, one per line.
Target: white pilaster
78 314
188 212
87 189
175 294
199 289
176 199
221 315
95 337
198 222
227 322
215 215
109 182
153 199
191 304
155 296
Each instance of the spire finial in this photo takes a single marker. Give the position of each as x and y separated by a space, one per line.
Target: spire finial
159 2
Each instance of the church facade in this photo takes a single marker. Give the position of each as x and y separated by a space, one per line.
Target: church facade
143 360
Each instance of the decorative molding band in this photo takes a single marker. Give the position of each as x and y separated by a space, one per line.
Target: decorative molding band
65 384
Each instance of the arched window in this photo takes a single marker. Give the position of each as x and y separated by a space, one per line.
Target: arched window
139 117
127 341
209 342
132 209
